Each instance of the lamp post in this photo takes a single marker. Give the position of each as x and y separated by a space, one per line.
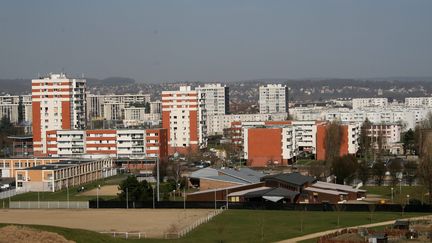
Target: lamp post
153 187
67 193
97 196
335 177
392 194
127 198
157 177
400 186
408 196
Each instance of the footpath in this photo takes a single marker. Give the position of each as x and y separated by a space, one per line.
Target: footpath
322 233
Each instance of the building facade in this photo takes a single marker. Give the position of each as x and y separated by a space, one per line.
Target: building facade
369 102
58 102
184 117
63 174
126 143
215 98
273 98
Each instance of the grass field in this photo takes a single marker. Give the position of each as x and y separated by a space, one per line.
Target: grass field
251 226
399 196
74 195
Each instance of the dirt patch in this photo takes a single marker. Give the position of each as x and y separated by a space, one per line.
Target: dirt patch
153 222
109 190
20 234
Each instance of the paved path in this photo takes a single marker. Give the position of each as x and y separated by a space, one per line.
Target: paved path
319 234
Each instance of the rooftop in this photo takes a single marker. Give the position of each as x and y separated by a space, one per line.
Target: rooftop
58 165
294 178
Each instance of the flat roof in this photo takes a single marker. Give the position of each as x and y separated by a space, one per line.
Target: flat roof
333 186
59 165
331 192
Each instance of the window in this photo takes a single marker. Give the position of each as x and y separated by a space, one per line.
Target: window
20 184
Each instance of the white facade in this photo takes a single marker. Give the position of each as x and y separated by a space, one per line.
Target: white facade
156 107
215 98
111 106
59 103
418 102
9 107
184 116
216 124
305 135
136 116
273 98
131 143
369 102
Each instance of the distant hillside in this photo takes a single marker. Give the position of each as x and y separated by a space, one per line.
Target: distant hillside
23 86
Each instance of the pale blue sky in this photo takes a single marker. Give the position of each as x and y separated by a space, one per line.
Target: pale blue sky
216 40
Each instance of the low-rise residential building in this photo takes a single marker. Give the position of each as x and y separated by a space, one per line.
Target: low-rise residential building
369 102
279 143
217 123
125 143
63 174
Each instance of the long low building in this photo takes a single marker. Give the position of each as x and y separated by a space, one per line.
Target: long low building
125 143
282 188
10 165
64 174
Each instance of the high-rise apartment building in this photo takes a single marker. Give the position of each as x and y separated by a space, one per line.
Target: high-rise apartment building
183 115
273 98
58 102
216 98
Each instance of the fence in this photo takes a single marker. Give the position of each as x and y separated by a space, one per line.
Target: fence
10 193
126 235
199 222
265 205
49 204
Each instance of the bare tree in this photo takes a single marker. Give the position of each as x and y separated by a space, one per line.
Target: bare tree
332 141
425 166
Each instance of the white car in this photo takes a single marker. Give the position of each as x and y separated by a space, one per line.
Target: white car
5 186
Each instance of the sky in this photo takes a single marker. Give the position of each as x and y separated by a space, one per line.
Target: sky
156 41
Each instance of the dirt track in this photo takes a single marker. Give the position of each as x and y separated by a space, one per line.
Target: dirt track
154 222
109 190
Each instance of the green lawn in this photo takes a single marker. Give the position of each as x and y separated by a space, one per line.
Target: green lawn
250 226
414 192
73 192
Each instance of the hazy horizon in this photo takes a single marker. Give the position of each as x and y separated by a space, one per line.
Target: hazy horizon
189 40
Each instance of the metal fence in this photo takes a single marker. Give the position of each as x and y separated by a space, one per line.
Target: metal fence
126 235
49 204
10 193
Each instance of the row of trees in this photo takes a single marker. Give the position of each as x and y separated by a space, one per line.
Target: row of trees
7 129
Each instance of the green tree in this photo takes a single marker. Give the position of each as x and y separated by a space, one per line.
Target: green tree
344 168
147 107
408 140
20 111
365 143
394 167
379 171
363 172
410 171
135 190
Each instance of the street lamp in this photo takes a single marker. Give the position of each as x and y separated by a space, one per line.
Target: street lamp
408 199
153 187
392 194
335 177
97 196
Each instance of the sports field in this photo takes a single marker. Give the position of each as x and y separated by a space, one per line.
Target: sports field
154 222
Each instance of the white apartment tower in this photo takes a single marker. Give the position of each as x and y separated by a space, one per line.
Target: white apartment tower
184 116
58 103
216 98
273 98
